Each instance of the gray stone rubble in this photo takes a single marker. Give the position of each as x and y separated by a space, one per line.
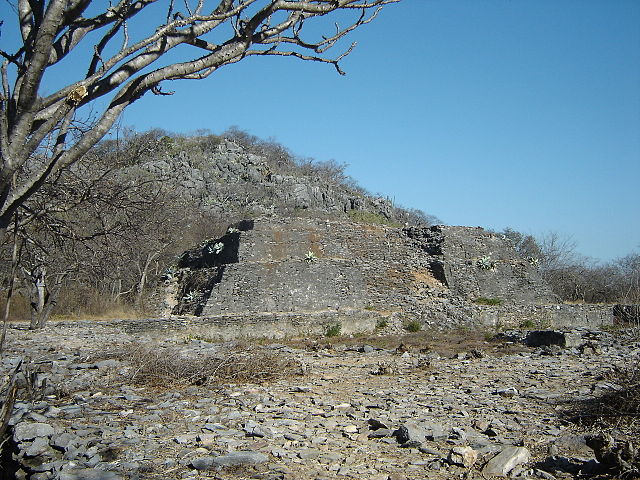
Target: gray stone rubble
427 416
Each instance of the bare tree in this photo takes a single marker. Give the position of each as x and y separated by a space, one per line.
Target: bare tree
526 245
93 221
628 280
122 64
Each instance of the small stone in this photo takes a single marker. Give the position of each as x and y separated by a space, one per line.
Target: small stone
375 424
300 389
207 439
240 458
428 450
507 392
464 456
53 412
410 432
309 454
434 431
253 429
542 474
481 425
506 461
381 433
89 474
38 447
202 463
458 434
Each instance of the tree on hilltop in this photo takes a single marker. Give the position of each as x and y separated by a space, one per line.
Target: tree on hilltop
43 132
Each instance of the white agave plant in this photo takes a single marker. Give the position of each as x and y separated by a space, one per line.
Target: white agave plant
191 296
486 263
533 261
216 248
310 257
169 274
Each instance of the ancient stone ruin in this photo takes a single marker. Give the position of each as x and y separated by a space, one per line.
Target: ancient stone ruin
278 276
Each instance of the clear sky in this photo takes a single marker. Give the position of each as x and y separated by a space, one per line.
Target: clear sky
494 113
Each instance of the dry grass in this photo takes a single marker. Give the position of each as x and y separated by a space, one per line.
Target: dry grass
164 366
20 309
82 304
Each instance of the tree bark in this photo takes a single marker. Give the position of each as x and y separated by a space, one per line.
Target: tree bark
38 297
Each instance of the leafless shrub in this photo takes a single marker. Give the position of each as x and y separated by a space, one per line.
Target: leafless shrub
618 407
165 366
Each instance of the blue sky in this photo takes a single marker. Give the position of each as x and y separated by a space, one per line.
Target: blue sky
494 113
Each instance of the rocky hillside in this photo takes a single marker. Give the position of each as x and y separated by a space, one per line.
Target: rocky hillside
226 179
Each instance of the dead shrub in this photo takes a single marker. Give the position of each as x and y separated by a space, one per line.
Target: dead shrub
153 365
617 407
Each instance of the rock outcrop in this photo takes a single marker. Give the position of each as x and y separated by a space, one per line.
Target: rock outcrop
228 180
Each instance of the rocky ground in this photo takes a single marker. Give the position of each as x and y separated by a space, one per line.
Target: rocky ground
437 407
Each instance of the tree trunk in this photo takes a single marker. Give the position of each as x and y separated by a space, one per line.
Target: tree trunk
43 299
143 277
38 296
15 260
51 300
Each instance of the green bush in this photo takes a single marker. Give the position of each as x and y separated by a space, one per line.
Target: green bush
382 323
333 330
527 324
413 326
362 216
487 301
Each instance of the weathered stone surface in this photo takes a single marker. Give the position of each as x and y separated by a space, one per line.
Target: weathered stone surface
29 431
89 474
463 456
202 463
240 458
506 461
475 263
262 278
410 432
39 446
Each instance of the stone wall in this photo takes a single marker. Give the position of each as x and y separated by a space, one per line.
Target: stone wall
432 275
234 327
475 263
545 316
281 325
